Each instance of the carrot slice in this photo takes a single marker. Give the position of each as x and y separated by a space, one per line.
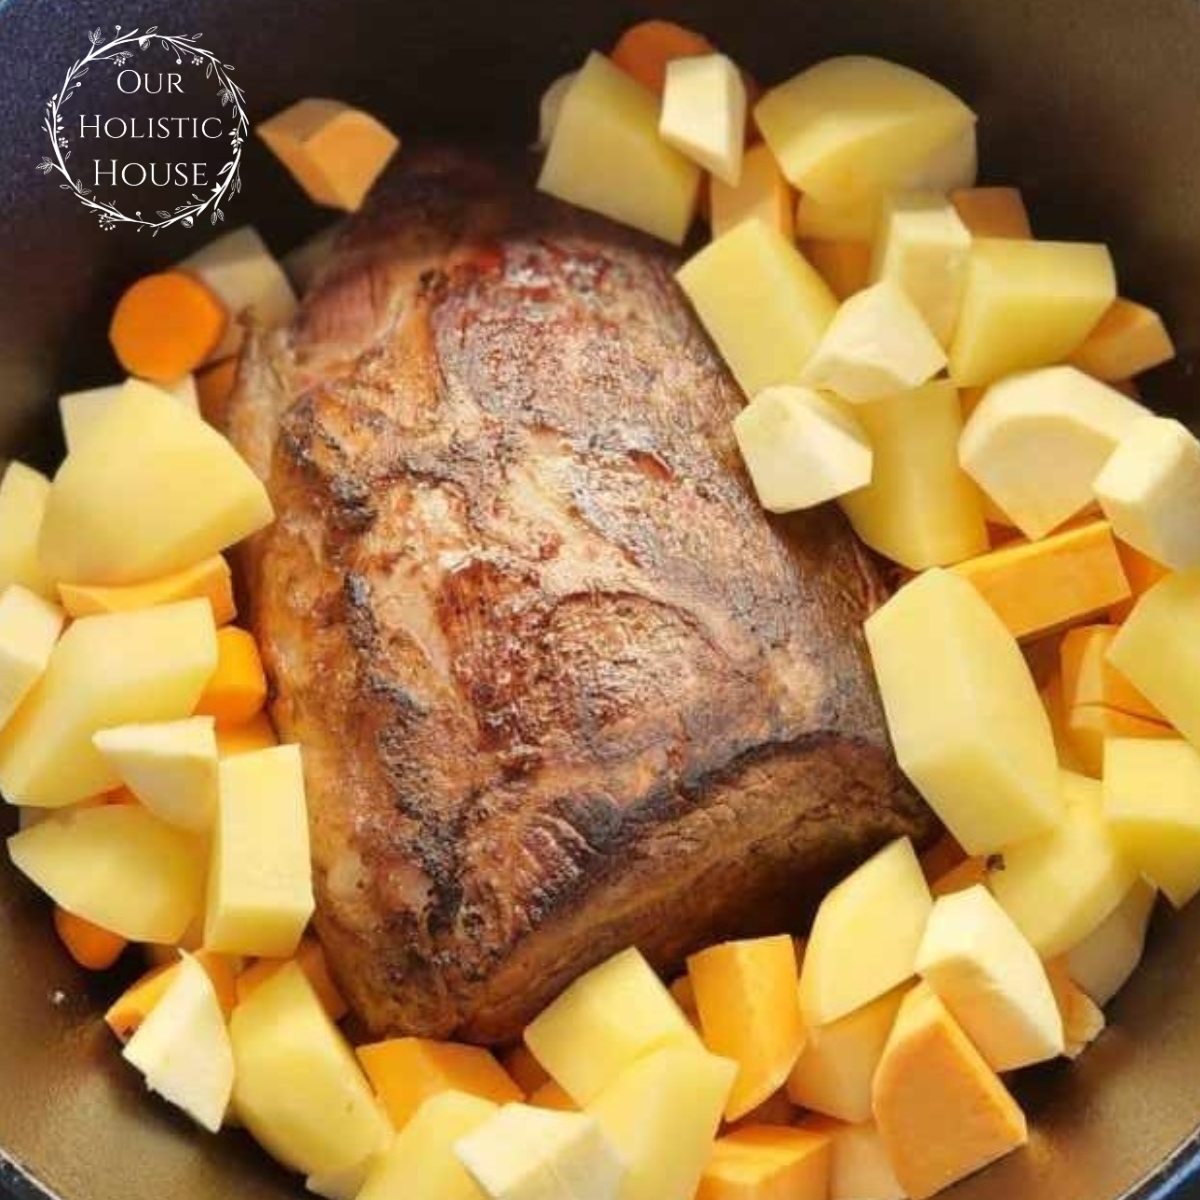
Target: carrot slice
238 689
165 325
89 945
644 50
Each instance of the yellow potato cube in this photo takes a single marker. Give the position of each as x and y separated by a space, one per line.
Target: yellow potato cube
859 1168
149 665
1082 1020
420 1163
953 165
151 490
1103 962
834 1071
964 713
80 411
672 1098
1059 886
23 496
550 106
616 1013
297 1085
920 508
1152 804
849 128
1127 340
704 113
1037 442
924 248
29 628
117 866
865 935
606 155
1158 652
754 269
876 345
1027 304
334 152
1150 490
768 1160
761 191
801 449
819 222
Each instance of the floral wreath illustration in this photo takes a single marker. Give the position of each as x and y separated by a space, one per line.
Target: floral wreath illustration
229 181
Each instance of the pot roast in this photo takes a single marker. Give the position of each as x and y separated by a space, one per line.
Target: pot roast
561 685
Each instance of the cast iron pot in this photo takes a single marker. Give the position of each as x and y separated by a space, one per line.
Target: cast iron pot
1090 105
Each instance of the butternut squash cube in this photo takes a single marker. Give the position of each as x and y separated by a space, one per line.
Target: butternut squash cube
844 265
525 1070
23 496
256 734
1089 678
993 212
964 713
1091 726
967 874
210 579
126 1014
1103 962
761 191
704 113
238 688
1142 572
29 629
1127 340
767 1160
819 222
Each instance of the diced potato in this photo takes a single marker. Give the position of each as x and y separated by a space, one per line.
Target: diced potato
183 1048
527 1153
941 1111
876 345
1027 304
865 935
801 449
661 1114
766 1160
991 979
80 411
761 191
924 248
343 1184
333 151
819 222
260 894
245 275
852 127
754 269
952 166
746 995
964 713
606 155
117 866
845 266
834 1071
297 1086
1082 1020
171 767
23 496
310 957
993 212
1150 490
1158 652
1152 804
616 1013
550 106
1089 678
149 665
420 1163
1059 886
1038 587
29 628
1091 726
1103 962
704 113
859 1167
151 490
405 1072
1037 442
920 509
210 578
1127 340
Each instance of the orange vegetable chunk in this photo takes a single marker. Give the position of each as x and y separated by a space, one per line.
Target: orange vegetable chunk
1089 678
1129 339
1089 726
88 944
992 212
644 50
406 1071
165 325
747 995
256 734
238 688
310 957
1142 572
768 1162
845 266
131 1008
551 1095
210 579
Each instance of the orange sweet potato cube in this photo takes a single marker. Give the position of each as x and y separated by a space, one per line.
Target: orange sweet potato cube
238 688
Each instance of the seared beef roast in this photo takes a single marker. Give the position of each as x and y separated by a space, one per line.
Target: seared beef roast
561 685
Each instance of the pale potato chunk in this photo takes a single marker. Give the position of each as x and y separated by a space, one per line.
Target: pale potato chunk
836 222
1037 442
920 509
704 113
1150 490
117 866
801 449
964 713
1027 304
29 628
952 166
849 128
1059 886
80 411
606 155
761 301
865 935
876 345
1152 804
550 106
23 496
1103 962
860 1169
147 665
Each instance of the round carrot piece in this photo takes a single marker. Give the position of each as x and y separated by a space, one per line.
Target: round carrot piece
165 325
89 945
644 50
